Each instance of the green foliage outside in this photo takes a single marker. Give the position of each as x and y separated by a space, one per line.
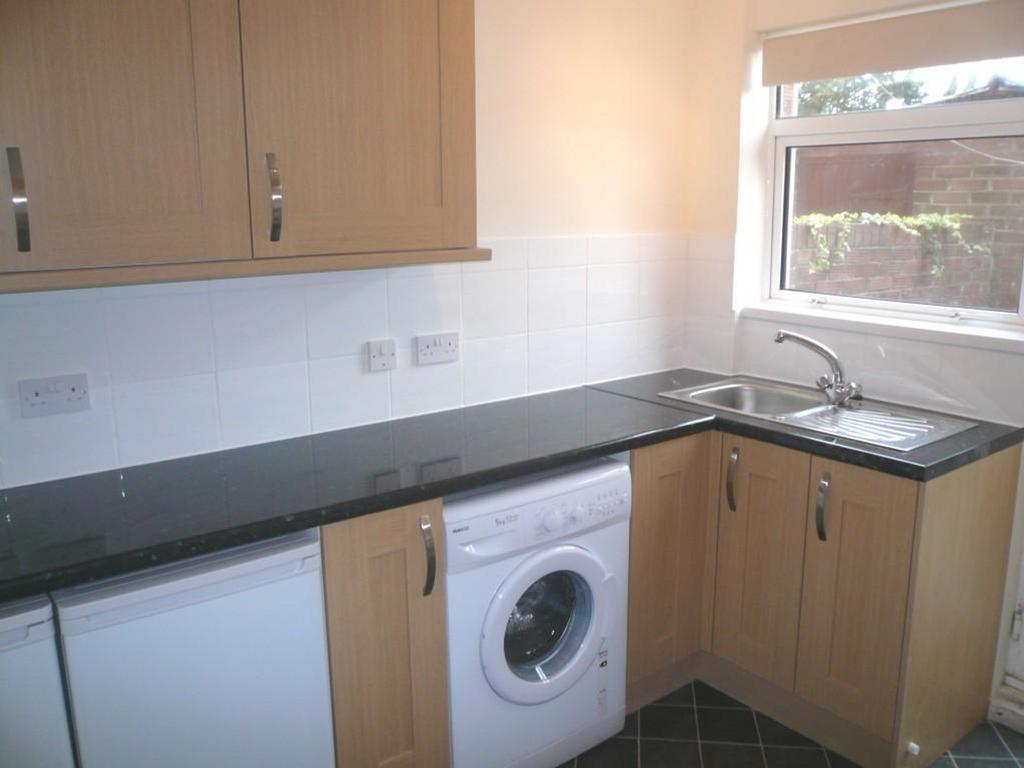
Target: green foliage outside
856 94
830 234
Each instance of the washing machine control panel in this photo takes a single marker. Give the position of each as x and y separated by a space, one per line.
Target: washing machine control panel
572 511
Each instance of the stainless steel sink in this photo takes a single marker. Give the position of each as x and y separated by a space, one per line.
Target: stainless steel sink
888 426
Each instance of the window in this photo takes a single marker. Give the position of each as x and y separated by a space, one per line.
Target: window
902 191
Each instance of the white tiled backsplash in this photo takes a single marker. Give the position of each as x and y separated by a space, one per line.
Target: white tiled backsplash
187 368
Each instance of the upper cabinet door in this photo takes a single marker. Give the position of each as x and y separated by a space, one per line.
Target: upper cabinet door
860 535
126 117
760 557
360 118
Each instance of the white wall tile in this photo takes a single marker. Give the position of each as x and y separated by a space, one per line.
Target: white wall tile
612 292
493 303
258 405
343 393
344 313
709 288
662 289
660 343
423 304
663 247
506 253
494 369
613 249
556 252
424 388
557 359
557 298
166 418
612 351
159 337
712 248
709 343
254 328
984 383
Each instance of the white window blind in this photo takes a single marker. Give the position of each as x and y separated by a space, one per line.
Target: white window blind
984 30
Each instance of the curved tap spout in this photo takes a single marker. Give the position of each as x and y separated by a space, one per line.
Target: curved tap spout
835 386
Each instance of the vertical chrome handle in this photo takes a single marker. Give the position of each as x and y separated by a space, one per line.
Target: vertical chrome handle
820 499
730 479
19 199
276 197
428 545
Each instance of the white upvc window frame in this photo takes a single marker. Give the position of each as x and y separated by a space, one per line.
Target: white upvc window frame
939 121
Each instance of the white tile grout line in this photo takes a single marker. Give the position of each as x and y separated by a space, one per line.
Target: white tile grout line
760 741
1003 742
696 724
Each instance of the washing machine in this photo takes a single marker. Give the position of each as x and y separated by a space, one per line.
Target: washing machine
537 577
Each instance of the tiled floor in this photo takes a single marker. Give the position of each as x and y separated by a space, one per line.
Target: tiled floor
700 727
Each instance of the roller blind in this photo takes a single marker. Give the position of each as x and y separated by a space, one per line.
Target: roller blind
988 30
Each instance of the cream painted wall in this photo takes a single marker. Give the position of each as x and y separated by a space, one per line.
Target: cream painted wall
581 109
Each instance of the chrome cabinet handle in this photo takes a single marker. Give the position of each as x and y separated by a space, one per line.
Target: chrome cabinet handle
730 480
820 499
276 197
19 199
428 544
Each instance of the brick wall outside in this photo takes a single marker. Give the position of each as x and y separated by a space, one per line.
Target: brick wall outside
886 263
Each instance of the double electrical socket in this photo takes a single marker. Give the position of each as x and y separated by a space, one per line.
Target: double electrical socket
437 348
55 394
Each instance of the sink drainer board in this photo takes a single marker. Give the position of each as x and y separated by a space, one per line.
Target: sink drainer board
880 424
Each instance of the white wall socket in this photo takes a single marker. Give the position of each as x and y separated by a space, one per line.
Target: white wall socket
382 355
55 394
437 348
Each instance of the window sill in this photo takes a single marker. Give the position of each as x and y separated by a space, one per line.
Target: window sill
973 334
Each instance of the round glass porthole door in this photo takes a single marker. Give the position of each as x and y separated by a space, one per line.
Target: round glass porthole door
546 624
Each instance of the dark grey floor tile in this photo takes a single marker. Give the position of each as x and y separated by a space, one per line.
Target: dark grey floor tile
981 742
629 729
735 726
570 764
682 697
942 762
1014 740
984 762
838 761
795 757
712 697
731 756
669 754
659 722
614 753
775 734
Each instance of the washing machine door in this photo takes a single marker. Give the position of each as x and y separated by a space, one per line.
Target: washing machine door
546 624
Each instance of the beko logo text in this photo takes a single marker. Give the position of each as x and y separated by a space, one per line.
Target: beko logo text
460 530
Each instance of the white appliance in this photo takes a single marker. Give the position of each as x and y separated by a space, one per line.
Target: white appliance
33 717
217 661
536 585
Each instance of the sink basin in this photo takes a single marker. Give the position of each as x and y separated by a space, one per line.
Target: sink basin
753 398
884 425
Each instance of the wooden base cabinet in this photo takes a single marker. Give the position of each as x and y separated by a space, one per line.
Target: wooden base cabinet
856 607
760 557
671 562
387 639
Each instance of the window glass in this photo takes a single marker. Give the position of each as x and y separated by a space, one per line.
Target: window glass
936 222
948 84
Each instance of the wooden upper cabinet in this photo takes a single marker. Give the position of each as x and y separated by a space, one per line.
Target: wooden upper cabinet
387 640
671 565
857 576
760 557
368 109
128 119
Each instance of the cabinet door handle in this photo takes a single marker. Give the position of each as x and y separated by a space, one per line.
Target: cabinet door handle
19 199
428 545
820 499
730 478
276 197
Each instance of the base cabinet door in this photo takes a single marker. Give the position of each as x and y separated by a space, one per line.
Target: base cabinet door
669 583
760 557
385 599
860 531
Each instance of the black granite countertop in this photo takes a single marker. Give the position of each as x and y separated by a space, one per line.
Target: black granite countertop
73 530
922 464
